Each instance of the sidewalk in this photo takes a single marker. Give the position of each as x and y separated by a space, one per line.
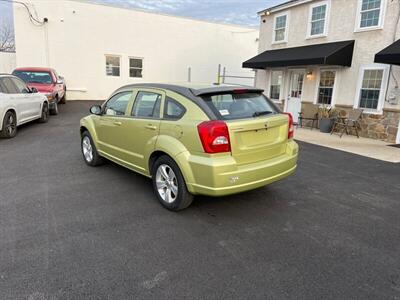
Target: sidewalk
362 146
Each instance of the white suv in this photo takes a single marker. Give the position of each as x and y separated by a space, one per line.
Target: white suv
19 104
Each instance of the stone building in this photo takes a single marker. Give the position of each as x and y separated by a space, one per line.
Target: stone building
332 52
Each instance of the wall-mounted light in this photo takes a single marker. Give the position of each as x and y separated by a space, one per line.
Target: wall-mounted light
267 12
309 75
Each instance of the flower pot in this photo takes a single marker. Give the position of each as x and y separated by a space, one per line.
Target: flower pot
325 125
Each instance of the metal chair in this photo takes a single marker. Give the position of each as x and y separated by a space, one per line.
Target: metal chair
348 123
309 113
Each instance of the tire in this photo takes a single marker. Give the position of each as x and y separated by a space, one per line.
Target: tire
89 151
54 110
167 177
63 100
9 129
45 113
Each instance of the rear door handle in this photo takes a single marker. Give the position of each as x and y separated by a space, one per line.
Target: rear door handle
118 123
151 127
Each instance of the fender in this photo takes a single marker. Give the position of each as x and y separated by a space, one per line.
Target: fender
5 110
173 147
88 123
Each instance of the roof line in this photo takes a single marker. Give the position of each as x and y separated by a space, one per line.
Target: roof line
163 14
284 5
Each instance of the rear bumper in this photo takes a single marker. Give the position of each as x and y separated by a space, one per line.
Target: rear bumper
220 175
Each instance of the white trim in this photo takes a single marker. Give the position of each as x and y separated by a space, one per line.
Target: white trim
129 66
290 72
382 93
280 87
120 64
334 91
285 40
326 20
283 6
382 13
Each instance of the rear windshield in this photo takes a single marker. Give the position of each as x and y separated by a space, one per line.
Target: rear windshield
231 106
34 77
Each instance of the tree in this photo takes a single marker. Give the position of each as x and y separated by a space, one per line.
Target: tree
7 41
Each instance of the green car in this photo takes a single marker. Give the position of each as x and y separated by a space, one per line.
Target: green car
192 140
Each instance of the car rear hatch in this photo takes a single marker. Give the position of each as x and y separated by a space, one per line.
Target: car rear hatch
258 131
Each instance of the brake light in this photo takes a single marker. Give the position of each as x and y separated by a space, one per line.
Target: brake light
214 136
291 126
240 91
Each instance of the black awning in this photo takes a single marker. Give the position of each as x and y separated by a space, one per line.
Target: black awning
389 55
337 53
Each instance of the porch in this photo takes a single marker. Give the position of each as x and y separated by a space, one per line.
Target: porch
361 146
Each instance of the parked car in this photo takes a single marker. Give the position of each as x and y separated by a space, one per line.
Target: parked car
46 81
192 140
19 104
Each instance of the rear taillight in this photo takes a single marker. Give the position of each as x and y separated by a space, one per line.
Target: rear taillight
214 136
291 126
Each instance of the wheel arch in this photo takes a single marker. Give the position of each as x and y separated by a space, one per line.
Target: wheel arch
13 110
172 147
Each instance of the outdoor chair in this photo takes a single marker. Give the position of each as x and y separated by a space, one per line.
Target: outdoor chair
309 113
344 123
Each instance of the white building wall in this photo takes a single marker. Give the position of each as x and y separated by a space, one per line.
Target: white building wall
7 62
78 35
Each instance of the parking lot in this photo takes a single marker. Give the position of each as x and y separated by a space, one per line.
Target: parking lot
70 231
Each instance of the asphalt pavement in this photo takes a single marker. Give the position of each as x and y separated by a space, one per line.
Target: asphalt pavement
69 231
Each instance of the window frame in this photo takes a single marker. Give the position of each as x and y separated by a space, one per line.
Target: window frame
135 101
120 64
21 82
382 13
327 3
334 88
129 66
172 100
382 90
103 108
6 89
281 92
285 40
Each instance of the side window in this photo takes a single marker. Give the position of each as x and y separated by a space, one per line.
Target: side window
147 105
173 110
117 104
22 88
9 85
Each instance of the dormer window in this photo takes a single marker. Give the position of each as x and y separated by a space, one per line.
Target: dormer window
280 28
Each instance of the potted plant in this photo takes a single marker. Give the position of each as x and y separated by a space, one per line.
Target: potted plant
326 114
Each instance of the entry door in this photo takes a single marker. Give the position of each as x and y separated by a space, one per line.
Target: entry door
295 91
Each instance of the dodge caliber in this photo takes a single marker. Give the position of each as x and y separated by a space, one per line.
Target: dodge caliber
192 140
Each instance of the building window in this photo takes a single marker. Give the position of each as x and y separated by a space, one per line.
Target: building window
275 86
280 28
318 19
113 65
326 85
135 67
371 88
370 14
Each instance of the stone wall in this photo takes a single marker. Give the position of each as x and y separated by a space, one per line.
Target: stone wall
383 127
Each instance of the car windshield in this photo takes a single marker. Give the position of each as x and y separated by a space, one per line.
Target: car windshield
231 106
34 77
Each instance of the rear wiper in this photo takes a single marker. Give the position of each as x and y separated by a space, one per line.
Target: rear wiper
261 113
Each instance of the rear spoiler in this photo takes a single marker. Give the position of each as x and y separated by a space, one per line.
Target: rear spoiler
226 89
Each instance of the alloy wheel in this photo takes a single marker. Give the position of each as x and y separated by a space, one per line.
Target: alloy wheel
87 149
11 125
167 183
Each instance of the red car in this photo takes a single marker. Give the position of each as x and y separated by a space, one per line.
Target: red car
46 81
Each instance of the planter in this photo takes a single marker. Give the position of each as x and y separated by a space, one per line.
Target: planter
325 125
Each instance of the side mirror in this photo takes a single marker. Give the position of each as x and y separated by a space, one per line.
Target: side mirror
59 81
33 90
95 110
